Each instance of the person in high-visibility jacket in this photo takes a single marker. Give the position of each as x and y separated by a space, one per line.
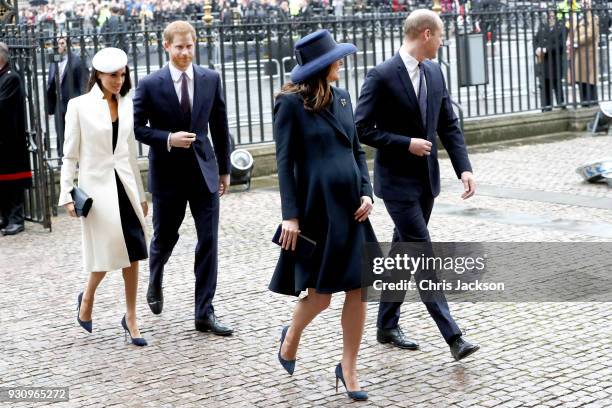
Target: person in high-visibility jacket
564 8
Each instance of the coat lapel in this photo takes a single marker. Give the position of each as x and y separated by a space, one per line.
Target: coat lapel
169 93
406 82
52 72
334 115
199 88
71 63
122 116
68 67
102 111
409 91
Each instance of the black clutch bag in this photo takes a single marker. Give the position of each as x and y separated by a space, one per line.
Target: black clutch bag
82 202
304 248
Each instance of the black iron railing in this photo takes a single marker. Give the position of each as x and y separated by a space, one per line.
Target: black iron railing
489 59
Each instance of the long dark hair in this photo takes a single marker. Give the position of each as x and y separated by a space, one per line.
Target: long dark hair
93 80
315 91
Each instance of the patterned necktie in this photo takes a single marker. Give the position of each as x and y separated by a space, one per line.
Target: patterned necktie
422 94
185 107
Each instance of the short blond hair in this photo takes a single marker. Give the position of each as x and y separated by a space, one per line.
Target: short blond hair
421 20
178 27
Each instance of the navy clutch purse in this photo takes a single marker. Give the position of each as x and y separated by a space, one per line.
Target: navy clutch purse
304 248
82 202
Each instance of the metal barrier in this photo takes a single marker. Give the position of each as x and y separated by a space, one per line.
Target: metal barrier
572 74
255 60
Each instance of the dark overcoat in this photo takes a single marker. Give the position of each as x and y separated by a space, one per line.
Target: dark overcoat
14 156
322 176
553 40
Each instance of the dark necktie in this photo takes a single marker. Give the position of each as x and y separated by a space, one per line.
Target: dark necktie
422 95
185 107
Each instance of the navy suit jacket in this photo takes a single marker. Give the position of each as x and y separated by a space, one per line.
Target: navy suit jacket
72 84
156 103
388 116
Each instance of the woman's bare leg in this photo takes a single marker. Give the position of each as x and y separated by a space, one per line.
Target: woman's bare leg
305 311
89 294
130 278
353 321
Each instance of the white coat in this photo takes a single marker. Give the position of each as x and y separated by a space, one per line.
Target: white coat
88 141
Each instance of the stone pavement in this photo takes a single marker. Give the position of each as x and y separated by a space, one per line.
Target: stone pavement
533 354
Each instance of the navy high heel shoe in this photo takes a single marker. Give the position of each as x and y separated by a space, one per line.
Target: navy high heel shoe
355 395
86 324
288 365
139 341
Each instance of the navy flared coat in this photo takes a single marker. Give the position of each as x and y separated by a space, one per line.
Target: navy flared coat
322 175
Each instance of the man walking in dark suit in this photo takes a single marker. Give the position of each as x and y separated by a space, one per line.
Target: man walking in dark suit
178 103
403 103
72 74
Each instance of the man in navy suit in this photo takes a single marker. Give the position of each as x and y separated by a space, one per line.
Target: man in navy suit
72 74
173 108
403 104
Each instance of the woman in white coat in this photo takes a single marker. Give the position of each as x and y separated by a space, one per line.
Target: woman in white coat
99 137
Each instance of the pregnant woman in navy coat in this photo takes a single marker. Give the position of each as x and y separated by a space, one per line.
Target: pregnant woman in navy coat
326 196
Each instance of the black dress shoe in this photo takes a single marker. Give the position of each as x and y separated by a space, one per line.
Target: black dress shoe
396 337
462 348
155 299
13 229
211 324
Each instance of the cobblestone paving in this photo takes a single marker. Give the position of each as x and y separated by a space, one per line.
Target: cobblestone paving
533 354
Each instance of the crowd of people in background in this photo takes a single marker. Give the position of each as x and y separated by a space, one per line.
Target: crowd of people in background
95 13
563 50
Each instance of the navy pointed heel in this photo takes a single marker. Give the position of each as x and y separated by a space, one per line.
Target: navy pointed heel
288 365
138 341
354 395
86 324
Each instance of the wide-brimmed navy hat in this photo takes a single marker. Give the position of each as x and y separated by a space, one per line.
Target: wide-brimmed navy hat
315 52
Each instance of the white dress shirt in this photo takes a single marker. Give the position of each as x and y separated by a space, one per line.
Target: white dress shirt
62 67
412 66
176 75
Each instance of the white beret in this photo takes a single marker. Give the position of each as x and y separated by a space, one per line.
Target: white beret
109 60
